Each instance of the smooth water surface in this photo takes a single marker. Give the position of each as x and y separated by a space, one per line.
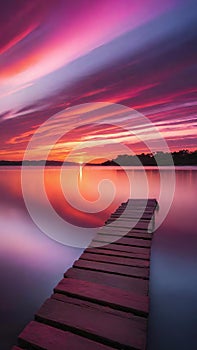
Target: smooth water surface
31 263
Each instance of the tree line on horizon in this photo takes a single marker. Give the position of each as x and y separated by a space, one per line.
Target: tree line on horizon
182 157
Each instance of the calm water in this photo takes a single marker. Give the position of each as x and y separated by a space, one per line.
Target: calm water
31 263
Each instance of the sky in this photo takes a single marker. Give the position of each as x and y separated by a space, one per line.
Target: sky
57 54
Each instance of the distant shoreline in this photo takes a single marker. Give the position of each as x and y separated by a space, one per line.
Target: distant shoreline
180 158
96 165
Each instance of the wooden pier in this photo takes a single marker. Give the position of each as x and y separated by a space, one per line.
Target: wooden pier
102 302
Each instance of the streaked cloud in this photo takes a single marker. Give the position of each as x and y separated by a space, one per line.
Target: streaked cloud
57 54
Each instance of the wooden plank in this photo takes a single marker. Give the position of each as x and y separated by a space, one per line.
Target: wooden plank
132 271
42 336
115 260
139 225
104 295
121 230
135 242
129 284
129 218
141 202
131 233
138 204
129 249
133 213
129 223
140 213
101 308
120 332
136 209
117 253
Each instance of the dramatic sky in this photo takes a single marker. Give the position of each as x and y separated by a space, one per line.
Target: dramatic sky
56 54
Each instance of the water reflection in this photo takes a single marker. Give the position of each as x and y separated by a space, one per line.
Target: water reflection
173 287
31 263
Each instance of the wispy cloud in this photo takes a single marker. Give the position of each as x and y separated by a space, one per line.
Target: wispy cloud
59 54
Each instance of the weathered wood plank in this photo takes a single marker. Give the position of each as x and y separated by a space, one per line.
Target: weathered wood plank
142 321
104 295
138 201
115 260
132 204
117 253
139 225
120 332
137 207
129 284
131 233
147 210
132 271
121 230
140 212
129 218
134 242
145 252
136 212
150 202
41 336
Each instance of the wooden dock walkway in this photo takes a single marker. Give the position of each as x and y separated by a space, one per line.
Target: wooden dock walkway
102 302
